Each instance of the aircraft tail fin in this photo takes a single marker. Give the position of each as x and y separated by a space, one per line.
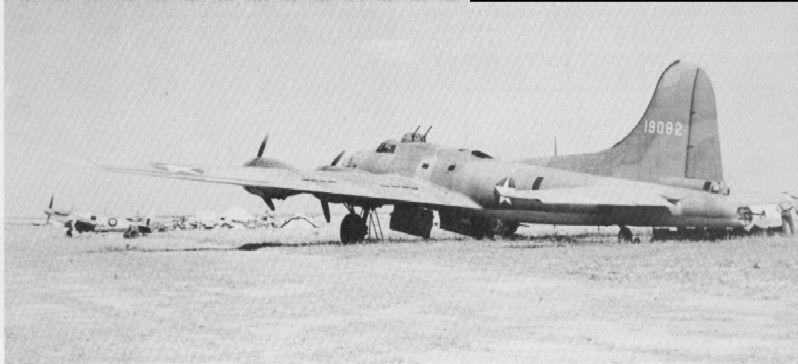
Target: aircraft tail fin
677 137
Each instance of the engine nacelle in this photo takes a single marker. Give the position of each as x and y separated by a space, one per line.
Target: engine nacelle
412 220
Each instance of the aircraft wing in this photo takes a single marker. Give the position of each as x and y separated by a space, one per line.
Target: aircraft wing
335 184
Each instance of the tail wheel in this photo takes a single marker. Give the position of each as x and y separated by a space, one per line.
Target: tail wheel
353 229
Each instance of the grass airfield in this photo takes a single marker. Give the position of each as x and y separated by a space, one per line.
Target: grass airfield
194 296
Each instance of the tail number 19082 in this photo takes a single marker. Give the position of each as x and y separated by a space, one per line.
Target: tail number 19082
663 127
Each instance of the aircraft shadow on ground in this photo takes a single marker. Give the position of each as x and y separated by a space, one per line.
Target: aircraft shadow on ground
515 242
129 248
556 241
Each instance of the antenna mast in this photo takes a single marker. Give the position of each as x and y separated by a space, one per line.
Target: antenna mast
555 147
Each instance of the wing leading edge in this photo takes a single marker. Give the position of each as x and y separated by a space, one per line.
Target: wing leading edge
334 185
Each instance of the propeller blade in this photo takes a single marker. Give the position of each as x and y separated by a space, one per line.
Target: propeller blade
48 220
263 146
325 207
51 201
337 158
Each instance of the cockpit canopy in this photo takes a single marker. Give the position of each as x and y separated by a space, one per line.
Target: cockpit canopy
388 146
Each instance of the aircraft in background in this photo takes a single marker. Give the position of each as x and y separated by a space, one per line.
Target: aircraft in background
666 172
83 221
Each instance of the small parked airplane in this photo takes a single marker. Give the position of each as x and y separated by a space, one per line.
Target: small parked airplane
82 221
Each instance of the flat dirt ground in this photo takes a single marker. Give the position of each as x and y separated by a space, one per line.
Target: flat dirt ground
192 296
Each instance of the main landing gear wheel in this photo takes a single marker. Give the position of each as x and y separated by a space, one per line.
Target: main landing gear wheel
130 233
353 229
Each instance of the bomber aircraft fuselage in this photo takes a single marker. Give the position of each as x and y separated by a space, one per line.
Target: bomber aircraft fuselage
508 189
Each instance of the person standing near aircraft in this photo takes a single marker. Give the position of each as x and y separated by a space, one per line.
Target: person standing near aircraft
786 207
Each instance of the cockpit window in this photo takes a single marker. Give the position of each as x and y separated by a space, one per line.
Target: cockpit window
480 154
386 148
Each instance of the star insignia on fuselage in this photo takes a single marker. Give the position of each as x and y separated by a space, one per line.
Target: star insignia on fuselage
502 189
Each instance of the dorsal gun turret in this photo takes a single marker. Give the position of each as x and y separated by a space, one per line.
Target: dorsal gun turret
415 136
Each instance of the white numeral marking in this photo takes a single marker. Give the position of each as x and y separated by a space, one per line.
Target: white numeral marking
663 127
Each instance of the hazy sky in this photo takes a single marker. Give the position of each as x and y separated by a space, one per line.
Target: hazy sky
203 81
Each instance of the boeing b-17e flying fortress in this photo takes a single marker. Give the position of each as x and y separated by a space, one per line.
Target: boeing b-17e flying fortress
665 173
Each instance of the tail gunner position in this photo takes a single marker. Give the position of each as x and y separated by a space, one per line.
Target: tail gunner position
666 172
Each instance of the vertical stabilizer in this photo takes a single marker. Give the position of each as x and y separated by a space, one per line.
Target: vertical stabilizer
676 138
